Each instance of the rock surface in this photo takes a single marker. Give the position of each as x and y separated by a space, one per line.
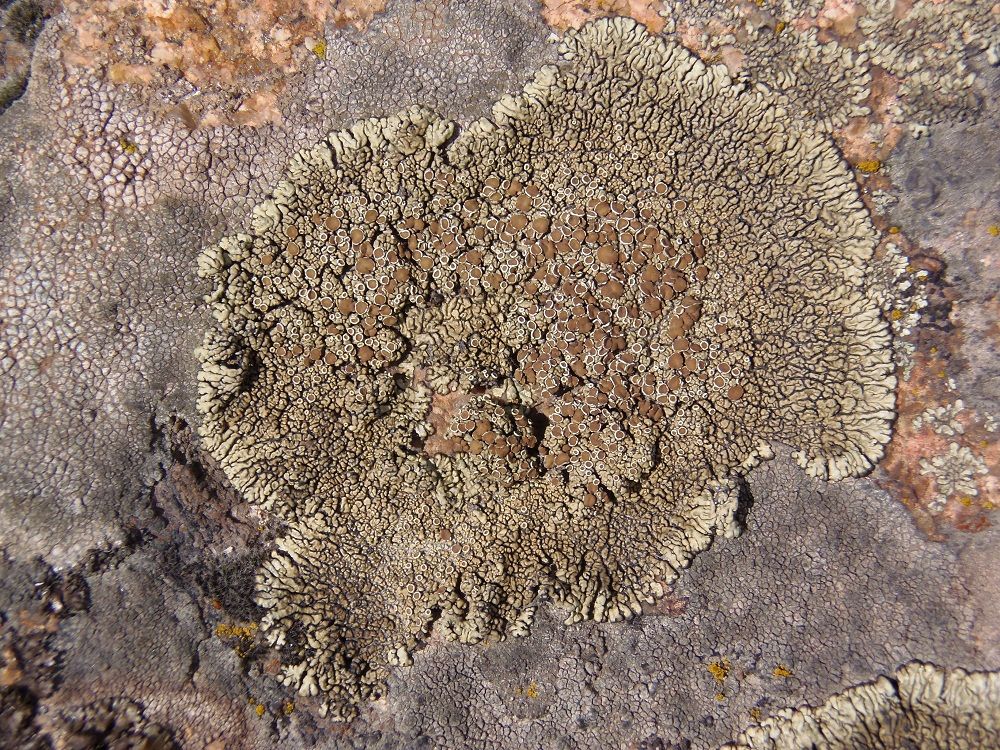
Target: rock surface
128 609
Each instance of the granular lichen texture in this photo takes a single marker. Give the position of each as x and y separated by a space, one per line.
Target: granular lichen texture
463 367
922 706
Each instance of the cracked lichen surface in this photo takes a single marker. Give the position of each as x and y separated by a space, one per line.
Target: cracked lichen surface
466 366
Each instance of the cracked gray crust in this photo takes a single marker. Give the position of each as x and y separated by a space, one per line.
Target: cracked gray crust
132 626
110 199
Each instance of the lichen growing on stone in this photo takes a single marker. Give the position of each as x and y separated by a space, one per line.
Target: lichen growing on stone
942 419
823 80
954 474
900 290
464 367
921 706
572 14
928 47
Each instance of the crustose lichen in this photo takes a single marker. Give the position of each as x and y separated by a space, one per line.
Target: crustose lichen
467 366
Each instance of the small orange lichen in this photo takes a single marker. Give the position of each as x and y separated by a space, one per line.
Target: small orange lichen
719 669
127 146
781 671
259 709
532 690
223 630
756 714
319 49
993 230
244 636
720 697
894 230
869 166
287 708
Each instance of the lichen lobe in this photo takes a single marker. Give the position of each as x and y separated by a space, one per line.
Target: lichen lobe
464 367
921 706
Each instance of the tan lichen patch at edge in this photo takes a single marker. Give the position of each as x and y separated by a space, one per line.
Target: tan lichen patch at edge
823 80
922 706
466 367
927 45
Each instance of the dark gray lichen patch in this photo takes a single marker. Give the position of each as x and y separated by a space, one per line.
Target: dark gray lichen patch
462 367
21 22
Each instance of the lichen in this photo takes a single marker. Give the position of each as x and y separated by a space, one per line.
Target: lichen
566 14
900 290
823 80
719 669
942 419
928 48
921 706
781 671
954 473
822 55
464 367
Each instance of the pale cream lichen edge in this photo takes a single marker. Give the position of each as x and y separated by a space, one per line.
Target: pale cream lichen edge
923 704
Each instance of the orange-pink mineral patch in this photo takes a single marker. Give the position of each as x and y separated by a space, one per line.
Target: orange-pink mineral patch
240 47
943 461
572 14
